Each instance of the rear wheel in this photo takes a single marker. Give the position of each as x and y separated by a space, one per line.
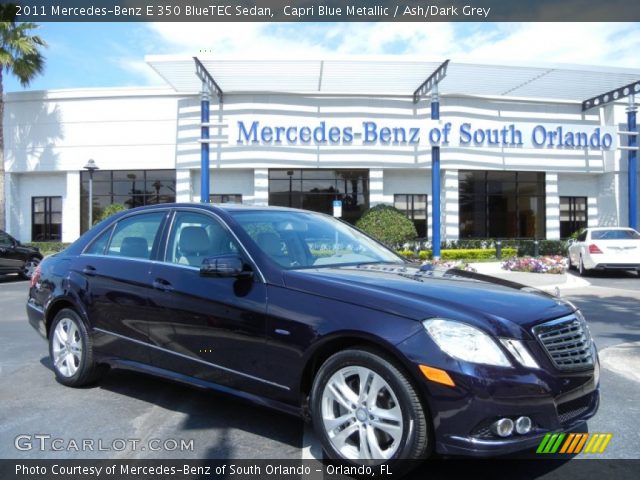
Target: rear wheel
581 269
366 411
71 351
29 268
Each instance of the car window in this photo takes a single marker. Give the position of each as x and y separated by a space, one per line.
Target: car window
195 236
134 236
308 240
614 235
5 240
99 244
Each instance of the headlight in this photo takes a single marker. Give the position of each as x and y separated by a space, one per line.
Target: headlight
520 352
465 342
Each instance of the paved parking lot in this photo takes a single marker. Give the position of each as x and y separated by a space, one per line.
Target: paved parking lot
199 424
624 280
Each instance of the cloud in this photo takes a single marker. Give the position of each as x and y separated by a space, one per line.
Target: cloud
602 44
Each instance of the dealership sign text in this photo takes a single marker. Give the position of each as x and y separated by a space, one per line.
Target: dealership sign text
490 134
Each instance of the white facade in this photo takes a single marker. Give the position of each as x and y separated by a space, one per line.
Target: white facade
49 136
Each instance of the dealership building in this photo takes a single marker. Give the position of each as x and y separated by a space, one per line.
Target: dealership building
479 150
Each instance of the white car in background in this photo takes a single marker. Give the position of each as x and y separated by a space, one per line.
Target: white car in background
606 248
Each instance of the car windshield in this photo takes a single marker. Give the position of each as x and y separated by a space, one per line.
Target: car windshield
615 235
297 240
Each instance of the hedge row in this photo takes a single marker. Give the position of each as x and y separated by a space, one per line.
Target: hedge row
460 254
48 248
524 247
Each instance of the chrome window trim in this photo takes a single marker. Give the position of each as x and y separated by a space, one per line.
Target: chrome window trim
221 222
187 357
113 226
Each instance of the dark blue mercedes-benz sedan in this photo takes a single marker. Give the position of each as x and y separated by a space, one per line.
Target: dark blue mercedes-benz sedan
301 312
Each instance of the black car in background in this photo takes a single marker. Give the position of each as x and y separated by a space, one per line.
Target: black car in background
301 312
17 258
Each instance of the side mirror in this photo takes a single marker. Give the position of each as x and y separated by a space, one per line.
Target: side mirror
224 266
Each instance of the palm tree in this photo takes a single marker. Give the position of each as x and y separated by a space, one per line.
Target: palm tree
20 56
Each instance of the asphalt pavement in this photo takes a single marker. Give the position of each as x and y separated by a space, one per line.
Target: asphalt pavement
192 423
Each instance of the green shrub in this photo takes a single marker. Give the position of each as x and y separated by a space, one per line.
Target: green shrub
108 211
460 253
387 225
525 247
49 248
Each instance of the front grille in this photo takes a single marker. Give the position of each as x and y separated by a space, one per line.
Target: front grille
567 341
569 410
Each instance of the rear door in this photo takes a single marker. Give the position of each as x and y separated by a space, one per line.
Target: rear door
205 327
114 271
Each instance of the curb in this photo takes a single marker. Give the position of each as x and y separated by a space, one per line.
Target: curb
495 269
623 359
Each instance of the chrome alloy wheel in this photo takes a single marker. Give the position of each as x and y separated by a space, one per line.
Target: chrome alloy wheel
361 414
29 267
67 347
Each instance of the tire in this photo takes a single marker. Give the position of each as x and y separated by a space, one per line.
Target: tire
397 427
72 358
581 270
29 267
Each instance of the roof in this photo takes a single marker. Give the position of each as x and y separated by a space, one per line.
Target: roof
392 76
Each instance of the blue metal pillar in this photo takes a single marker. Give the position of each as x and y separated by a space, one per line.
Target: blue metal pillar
632 126
435 180
204 147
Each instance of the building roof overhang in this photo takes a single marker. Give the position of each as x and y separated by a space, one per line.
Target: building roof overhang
390 76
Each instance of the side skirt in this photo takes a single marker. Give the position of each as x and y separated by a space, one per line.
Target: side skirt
198 383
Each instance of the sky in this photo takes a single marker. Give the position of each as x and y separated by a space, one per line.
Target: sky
112 54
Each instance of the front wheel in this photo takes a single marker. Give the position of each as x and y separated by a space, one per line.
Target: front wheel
366 410
71 350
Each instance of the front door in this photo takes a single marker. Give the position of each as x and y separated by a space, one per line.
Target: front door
208 328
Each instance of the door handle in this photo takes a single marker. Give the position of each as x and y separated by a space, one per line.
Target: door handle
162 285
89 270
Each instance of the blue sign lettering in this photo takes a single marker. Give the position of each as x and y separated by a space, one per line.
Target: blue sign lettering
540 136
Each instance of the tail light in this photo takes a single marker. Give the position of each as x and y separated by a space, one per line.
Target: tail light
593 248
35 278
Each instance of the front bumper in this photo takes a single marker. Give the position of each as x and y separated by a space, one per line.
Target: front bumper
475 446
556 401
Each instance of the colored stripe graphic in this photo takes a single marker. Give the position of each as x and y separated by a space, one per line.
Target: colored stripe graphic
579 437
543 443
606 442
550 443
574 443
566 444
581 443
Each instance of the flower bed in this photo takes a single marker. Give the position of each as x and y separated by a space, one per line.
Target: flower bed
552 264
458 265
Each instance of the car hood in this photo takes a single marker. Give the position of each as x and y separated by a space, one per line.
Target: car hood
492 303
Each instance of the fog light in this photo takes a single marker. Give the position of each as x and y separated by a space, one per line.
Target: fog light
503 427
523 425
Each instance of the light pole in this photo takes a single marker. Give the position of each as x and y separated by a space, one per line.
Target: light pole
91 167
